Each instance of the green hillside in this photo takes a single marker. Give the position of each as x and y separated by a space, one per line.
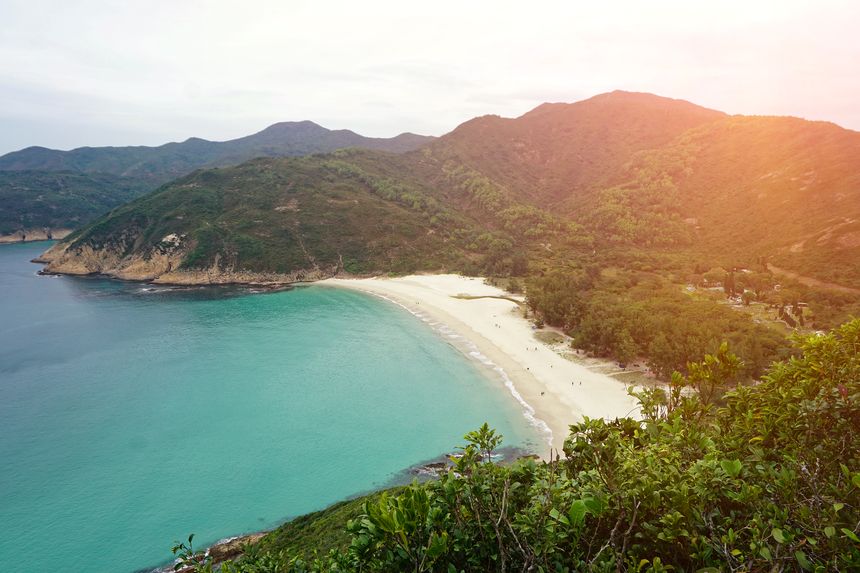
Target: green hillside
156 165
42 187
344 211
784 189
59 200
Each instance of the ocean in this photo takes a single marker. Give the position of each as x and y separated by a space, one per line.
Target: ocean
132 415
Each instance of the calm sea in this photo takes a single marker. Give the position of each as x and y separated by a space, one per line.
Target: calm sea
133 415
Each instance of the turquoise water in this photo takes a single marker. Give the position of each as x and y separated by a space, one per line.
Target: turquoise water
131 416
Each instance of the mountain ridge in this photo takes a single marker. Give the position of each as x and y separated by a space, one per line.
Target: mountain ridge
619 170
43 188
173 159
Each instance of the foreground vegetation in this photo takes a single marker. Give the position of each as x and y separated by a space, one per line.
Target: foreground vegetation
715 477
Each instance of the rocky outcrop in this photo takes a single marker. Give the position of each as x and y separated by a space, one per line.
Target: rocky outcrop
162 266
27 235
222 551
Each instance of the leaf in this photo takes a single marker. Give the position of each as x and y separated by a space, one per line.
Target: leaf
732 467
855 479
594 505
765 552
850 535
829 531
577 512
778 535
837 506
802 560
438 545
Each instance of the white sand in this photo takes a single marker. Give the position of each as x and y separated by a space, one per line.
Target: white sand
550 388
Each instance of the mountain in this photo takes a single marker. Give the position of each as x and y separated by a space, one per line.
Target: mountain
559 150
620 171
160 164
45 188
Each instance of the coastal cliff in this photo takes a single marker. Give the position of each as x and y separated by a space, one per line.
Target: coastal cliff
163 266
28 235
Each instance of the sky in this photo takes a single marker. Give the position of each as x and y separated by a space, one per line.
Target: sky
135 72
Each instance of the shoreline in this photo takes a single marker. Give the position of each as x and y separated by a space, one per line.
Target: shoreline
34 236
552 390
553 387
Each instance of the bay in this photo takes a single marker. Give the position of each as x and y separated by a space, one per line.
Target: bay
132 415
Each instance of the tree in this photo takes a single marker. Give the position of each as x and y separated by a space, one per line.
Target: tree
760 283
714 374
729 284
714 276
485 440
625 347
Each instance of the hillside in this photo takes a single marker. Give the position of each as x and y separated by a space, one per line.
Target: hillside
45 188
559 151
34 201
156 165
789 190
277 220
779 189
649 172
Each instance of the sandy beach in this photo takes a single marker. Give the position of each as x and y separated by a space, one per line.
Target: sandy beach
553 391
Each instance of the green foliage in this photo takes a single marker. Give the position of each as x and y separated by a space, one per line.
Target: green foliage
157 165
633 314
765 478
34 200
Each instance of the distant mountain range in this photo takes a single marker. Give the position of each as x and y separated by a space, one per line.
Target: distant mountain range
33 194
172 160
626 171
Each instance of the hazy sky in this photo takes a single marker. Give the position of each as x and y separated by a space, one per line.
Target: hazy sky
79 72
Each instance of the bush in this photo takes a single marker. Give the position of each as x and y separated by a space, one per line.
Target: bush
761 478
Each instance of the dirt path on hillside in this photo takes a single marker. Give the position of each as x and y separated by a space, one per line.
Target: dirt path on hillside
811 282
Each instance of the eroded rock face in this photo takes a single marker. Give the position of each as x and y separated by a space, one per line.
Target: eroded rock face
27 235
84 260
162 266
